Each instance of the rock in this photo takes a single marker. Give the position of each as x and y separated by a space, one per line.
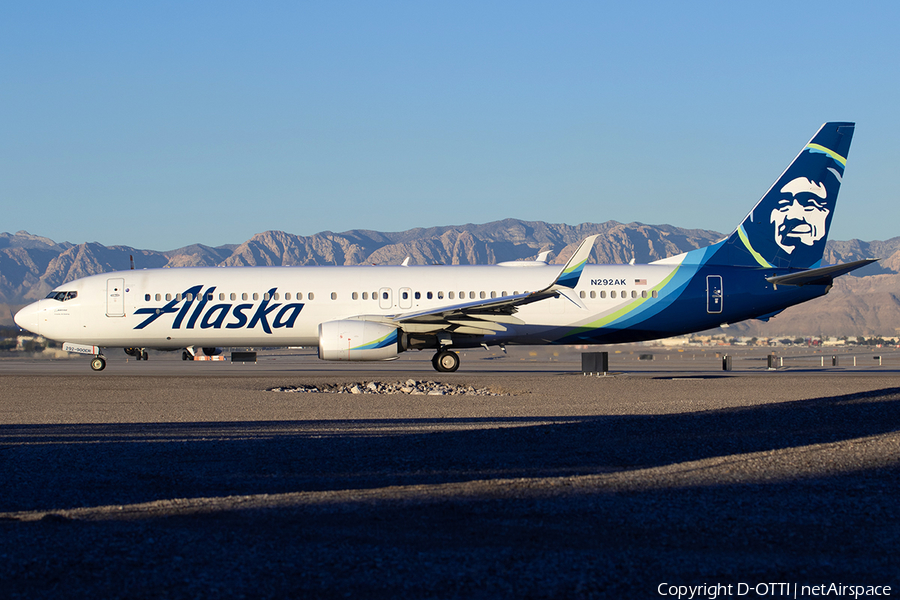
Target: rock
411 387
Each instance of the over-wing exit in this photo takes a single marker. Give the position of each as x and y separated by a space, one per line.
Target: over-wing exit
771 261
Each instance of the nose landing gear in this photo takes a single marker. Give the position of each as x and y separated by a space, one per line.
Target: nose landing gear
98 363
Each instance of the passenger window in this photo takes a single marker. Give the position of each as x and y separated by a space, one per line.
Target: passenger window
189 297
441 296
624 293
168 297
265 296
299 296
365 295
275 296
593 294
603 294
384 295
334 295
643 293
471 295
146 297
612 294
355 296
209 297
221 296
429 295
493 294
310 296
503 293
482 295
158 297
405 295
581 294
418 295
654 294
244 296
634 293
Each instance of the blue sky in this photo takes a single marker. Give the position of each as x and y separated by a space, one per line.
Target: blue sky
158 125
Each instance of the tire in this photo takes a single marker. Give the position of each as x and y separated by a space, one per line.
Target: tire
144 355
185 355
98 363
446 361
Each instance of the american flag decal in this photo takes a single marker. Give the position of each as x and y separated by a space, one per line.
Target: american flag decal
640 282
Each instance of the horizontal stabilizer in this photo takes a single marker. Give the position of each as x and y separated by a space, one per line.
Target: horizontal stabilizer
820 276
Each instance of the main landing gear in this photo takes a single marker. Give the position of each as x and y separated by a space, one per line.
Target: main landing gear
138 353
445 361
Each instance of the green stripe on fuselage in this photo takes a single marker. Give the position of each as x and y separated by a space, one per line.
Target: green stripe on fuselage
631 306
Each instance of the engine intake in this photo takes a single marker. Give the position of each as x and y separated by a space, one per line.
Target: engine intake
358 340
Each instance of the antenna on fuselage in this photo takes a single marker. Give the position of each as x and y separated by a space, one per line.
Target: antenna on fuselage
131 258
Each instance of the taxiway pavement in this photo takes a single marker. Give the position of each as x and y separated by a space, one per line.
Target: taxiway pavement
171 479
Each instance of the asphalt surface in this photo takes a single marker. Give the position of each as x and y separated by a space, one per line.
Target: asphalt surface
184 480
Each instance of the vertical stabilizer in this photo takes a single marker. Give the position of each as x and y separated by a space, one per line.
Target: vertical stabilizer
789 226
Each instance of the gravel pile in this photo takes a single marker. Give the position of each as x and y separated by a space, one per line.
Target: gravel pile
410 386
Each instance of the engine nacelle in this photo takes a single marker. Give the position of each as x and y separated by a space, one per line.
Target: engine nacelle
212 351
358 340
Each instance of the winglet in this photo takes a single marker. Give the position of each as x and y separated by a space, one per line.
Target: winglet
571 273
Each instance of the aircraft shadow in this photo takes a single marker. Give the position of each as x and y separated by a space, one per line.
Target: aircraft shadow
50 467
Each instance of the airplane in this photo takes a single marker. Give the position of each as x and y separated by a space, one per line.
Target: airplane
771 261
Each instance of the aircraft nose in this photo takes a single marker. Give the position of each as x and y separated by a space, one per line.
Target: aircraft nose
27 318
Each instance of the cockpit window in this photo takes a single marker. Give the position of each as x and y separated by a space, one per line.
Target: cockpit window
62 296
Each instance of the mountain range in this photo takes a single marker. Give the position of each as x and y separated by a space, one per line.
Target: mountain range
864 303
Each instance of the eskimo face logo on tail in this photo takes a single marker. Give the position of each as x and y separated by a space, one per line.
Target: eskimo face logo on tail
801 213
790 225
200 312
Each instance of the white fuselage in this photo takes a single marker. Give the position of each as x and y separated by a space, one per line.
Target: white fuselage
284 306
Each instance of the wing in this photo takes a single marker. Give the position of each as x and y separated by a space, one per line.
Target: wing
491 315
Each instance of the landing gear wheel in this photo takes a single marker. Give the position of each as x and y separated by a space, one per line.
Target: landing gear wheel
185 356
445 361
144 355
98 363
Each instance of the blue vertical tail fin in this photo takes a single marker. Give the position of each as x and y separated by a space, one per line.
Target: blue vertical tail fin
789 226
